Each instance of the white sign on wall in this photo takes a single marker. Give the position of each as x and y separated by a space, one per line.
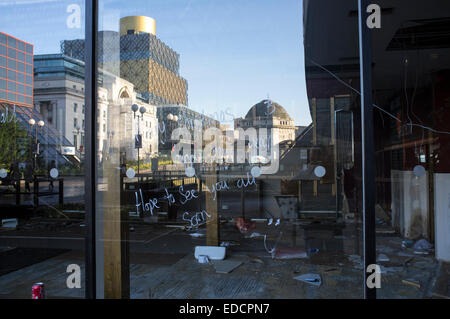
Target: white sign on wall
67 150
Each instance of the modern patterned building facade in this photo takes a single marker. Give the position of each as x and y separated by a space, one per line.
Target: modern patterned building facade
137 55
16 71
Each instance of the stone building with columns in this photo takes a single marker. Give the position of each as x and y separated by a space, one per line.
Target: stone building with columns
59 97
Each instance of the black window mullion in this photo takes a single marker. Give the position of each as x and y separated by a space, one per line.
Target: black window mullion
91 29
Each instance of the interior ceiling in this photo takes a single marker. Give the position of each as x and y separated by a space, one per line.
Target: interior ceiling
416 31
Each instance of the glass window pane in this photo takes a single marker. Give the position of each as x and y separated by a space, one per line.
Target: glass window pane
20 56
28 58
11 97
20 98
41 161
12 64
28 90
20 67
222 171
12 75
20 45
12 43
20 77
3 38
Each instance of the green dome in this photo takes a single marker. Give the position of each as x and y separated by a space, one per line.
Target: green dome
261 110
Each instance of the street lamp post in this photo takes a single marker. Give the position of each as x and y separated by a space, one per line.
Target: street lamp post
138 137
39 126
172 119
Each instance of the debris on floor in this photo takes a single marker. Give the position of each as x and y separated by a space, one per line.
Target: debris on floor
407 243
382 257
229 243
312 279
226 266
422 244
281 252
254 235
245 225
213 252
197 235
411 282
255 259
202 259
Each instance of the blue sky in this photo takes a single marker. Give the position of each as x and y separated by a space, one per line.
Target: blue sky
233 53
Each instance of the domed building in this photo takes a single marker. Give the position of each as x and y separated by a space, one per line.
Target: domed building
268 114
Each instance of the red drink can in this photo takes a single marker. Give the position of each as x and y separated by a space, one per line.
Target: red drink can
37 291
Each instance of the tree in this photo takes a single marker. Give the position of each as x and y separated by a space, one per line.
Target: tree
14 143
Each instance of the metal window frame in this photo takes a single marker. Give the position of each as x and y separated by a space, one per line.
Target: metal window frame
90 179
367 145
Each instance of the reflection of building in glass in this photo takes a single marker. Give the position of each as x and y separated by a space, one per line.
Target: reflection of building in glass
411 81
268 114
59 97
144 60
16 71
174 116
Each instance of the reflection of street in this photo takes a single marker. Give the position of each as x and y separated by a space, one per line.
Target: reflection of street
73 192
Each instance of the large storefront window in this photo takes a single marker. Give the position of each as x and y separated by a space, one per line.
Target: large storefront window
220 150
41 151
225 188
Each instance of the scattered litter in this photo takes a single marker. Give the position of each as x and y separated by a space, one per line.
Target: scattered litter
422 244
196 235
407 243
228 244
312 279
420 252
82 225
245 225
440 296
411 282
254 235
202 259
213 252
131 228
383 257
175 226
226 266
10 223
255 259
289 253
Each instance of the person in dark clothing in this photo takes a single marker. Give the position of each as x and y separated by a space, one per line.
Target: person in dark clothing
14 173
28 175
